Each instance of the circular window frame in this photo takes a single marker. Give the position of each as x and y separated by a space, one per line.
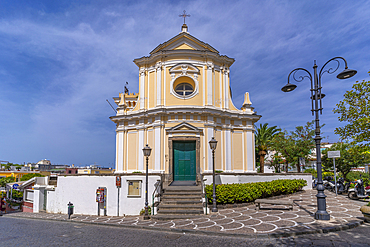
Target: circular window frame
194 86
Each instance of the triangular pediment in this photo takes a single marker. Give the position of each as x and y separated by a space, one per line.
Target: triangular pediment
184 127
184 47
184 41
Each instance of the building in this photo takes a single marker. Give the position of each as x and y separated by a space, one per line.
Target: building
184 100
94 170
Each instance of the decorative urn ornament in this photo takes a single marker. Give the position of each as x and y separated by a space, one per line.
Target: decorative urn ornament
366 212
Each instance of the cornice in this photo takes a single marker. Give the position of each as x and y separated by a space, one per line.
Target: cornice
194 110
202 55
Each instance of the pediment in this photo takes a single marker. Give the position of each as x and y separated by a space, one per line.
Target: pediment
181 67
184 127
184 46
184 41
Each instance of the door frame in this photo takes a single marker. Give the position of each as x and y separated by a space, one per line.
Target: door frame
197 155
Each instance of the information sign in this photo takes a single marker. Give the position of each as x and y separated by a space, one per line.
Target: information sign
333 154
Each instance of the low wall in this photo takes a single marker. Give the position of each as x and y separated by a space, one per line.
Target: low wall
233 178
81 191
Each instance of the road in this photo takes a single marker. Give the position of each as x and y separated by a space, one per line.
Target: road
30 232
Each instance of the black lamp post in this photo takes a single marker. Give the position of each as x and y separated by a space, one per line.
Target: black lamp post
213 145
146 150
316 97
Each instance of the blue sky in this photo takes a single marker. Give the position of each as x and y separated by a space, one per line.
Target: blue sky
60 61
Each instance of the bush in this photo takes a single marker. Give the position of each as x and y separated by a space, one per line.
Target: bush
239 193
142 212
312 171
4 181
30 175
356 175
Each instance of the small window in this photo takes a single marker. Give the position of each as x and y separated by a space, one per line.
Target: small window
134 188
184 89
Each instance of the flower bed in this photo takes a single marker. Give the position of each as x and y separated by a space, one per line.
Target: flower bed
248 192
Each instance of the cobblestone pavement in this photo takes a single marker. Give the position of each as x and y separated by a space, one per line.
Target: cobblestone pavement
247 221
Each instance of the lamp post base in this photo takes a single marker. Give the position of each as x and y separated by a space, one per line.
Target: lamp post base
322 216
146 214
214 210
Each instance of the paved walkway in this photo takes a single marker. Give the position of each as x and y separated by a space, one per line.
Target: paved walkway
273 221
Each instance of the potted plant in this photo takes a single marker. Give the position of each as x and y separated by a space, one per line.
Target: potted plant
366 212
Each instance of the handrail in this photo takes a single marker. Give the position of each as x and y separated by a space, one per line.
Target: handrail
204 190
159 182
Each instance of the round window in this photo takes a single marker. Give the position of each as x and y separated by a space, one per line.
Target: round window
184 89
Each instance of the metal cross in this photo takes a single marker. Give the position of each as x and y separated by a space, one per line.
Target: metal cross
184 15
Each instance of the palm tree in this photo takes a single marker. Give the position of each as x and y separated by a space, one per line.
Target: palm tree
264 136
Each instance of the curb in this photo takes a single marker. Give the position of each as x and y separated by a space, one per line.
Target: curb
200 232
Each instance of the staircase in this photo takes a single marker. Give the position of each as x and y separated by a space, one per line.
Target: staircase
180 202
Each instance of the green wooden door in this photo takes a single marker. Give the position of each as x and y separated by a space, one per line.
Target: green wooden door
184 161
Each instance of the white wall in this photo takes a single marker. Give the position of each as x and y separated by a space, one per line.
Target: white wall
250 178
81 191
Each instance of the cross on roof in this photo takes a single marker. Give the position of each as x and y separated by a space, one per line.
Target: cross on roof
184 15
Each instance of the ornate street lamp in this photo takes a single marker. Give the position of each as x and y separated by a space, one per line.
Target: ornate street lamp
316 97
213 145
146 150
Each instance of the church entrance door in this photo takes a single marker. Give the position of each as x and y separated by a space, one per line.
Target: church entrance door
184 160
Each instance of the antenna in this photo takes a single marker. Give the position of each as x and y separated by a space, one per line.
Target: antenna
111 106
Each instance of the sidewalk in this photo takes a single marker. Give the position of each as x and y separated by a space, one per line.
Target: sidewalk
242 221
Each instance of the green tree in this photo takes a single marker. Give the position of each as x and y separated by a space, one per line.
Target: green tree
296 144
30 175
351 156
264 136
355 109
4 181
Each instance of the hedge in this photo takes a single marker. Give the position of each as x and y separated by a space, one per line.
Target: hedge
248 192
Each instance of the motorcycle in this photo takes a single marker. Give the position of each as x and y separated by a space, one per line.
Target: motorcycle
358 192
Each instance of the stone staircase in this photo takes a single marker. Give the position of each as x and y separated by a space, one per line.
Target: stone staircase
180 202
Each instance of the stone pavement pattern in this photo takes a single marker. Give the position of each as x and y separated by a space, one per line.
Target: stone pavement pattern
34 232
275 219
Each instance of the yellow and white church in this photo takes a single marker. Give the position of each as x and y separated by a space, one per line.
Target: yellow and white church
184 100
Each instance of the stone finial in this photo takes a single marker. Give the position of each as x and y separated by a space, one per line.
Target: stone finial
122 102
247 101
184 28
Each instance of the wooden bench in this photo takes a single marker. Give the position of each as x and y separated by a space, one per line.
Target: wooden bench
258 203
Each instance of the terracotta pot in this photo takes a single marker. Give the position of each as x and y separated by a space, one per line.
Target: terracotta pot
366 212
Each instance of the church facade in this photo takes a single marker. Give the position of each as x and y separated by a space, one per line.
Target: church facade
184 100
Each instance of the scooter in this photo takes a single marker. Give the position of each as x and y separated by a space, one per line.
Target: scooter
341 187
358 192
328 183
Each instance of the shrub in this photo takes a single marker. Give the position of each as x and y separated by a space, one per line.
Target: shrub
239 193
30 175
312 171
142 212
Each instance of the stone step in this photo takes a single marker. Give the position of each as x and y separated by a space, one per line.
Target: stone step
182 188
180 198
180 207
180 212
183 193
182 202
